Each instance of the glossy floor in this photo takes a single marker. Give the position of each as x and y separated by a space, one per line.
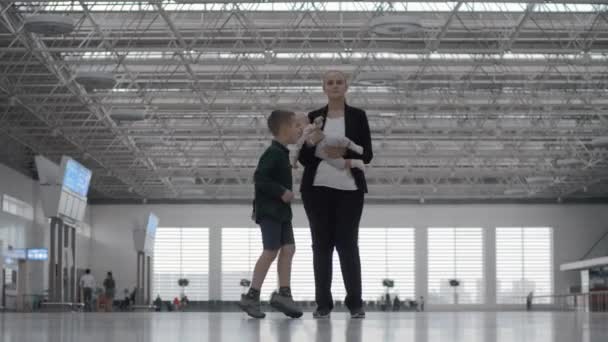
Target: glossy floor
200 326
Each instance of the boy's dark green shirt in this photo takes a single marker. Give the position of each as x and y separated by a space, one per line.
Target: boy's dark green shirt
272 178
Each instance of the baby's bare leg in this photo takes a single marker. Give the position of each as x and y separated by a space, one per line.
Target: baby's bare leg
343 142
320 153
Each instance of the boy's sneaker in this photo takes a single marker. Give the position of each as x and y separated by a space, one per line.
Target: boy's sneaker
321 314
251 306
285 304
357 314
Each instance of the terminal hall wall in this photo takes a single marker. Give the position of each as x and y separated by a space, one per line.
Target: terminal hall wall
576 228
22 233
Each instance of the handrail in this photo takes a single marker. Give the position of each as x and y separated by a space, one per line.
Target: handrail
561 295
592 301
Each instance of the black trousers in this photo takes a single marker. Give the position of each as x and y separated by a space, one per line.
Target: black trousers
334 217
88 298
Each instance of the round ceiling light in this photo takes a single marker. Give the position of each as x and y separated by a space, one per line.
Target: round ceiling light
96 80
376 78
601 142
540 180
128 115
49 24
516 192
394 25
569 162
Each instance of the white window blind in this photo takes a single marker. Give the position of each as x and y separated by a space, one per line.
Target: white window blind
524 263
302 275
241 248
385 253
455 253
181 253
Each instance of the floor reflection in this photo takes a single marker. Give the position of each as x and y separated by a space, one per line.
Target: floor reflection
378 327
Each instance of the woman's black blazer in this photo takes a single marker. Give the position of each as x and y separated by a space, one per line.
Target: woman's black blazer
356 128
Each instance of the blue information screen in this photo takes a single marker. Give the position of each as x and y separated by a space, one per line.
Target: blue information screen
37 254
77 178
152 224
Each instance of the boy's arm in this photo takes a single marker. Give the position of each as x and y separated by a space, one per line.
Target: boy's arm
263 177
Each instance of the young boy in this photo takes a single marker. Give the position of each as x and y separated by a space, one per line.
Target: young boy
339 163
272 211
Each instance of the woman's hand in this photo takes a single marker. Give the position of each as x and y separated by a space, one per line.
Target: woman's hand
334 152
315 136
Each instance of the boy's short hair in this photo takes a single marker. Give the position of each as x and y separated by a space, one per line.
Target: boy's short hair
279 118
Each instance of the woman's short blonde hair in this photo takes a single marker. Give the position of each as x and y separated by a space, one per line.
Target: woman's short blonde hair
333 71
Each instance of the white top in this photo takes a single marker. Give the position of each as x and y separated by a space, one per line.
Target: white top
87 281
328 175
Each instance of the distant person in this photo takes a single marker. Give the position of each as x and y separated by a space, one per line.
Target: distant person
158 304
101 302
176 304
125 304
87 284
110 289
396 303
133 295
185 302
529 299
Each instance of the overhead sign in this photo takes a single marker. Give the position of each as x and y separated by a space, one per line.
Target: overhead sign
77 178
40 254
152 225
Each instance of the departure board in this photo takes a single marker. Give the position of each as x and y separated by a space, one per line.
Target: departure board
76 178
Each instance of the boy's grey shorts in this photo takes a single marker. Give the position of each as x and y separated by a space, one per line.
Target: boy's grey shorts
276 234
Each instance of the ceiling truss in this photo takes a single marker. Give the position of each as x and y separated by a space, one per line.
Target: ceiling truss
491 100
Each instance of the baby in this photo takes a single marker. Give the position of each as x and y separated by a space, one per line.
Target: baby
332 141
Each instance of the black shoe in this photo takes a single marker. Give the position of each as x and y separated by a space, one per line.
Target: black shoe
357 314
285 304
321 314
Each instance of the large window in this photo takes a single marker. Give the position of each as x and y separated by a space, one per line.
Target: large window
385 253
455 254
241 248
302 274
524 263
181 253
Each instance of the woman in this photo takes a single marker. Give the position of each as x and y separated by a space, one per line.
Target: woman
333 198
110 289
